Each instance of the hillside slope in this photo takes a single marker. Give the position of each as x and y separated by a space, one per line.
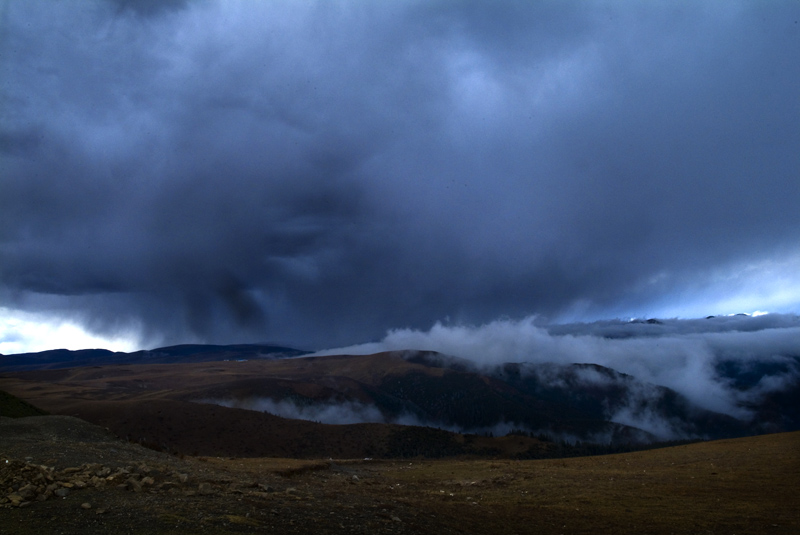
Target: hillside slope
256 407
744 485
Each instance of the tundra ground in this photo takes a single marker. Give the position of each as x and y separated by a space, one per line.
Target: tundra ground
737 486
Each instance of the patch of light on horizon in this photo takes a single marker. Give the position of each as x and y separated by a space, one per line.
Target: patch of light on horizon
25 332
771 284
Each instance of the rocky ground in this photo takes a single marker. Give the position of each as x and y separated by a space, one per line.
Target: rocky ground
59 474
62 475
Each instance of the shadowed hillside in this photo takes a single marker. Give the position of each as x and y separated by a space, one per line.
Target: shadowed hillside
13 407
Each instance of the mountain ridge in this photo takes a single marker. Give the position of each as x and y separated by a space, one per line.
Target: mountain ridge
579 402
66 358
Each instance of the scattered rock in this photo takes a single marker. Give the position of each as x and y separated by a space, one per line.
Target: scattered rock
205 489
27 491
25 483
133 484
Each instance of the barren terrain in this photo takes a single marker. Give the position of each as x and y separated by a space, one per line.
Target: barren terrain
159 406
198 408
731 486
214 469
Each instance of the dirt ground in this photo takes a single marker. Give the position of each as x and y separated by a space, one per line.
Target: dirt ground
732 486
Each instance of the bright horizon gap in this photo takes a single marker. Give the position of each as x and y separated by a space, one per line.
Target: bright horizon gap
26 332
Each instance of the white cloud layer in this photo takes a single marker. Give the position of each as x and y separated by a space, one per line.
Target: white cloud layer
678 354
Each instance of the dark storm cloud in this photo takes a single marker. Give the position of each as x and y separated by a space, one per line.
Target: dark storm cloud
18 143
149 8
317 173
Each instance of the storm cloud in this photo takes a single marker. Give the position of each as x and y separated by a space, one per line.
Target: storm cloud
317 173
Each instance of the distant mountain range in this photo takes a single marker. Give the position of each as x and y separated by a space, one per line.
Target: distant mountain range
65 358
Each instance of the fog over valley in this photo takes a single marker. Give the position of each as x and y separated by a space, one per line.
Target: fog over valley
728 365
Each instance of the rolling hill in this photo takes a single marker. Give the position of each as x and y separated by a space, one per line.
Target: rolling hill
253 401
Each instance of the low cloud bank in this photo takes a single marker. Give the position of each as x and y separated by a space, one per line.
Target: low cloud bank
641 406
354 412
688 356
730 374
344 412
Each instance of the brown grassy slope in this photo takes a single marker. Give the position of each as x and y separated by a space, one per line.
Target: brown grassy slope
201 429
730 486
147 404
733 486
193 380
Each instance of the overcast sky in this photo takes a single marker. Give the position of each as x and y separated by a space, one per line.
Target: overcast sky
318 173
